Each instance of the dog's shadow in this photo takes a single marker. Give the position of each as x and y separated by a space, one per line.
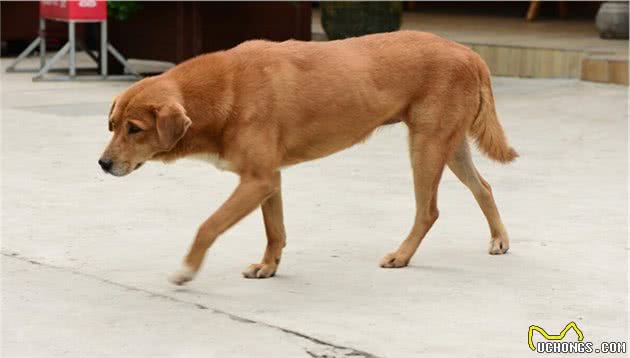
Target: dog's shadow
434 269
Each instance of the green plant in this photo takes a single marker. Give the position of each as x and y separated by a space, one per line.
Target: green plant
342 19
122 10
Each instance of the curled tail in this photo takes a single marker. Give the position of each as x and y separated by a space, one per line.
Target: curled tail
486 128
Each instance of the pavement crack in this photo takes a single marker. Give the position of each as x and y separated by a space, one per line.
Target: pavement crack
328 349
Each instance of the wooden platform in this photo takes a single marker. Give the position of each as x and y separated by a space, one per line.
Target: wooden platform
513 47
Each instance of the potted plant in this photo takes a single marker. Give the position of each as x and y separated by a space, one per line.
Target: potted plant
122 10
612 20
341 19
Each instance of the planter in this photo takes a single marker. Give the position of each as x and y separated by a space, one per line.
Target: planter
349 19
612 20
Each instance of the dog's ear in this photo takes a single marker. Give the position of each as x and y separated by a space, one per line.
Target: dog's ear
110 120
172 123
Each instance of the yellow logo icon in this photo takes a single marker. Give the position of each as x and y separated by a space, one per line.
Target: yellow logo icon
552 337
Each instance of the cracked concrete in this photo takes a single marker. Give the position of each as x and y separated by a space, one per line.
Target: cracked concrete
14 268
86 256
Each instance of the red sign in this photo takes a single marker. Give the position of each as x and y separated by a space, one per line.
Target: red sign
73 9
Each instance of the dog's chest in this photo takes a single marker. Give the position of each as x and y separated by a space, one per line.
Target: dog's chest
213 159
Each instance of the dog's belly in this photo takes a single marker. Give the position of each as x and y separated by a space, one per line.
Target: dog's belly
327 137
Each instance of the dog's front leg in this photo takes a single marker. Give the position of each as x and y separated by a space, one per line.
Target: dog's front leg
276 237
247 196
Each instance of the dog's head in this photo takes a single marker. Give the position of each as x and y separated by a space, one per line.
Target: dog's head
144 123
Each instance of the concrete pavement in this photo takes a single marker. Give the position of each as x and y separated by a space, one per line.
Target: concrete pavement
86 256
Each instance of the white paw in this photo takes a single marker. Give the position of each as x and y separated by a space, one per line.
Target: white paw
183 275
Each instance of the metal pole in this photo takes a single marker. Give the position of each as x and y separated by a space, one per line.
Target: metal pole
24 54
104 52
122 60
42 42
71 41
52 61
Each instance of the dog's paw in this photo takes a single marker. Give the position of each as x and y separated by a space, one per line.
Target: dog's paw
499 245
183 275
260 271
394 260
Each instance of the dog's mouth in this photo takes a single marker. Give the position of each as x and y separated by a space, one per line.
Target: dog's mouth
123 170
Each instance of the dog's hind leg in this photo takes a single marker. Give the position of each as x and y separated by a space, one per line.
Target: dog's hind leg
428 158
462 166
276 238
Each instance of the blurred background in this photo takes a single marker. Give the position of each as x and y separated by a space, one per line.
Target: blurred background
552 39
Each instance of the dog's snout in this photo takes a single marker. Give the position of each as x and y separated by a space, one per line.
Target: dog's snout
106 164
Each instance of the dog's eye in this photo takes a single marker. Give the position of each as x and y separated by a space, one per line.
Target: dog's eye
133 129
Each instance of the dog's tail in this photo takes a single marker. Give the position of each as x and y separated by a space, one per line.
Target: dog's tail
486 128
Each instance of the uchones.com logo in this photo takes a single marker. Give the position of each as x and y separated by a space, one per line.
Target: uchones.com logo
556 343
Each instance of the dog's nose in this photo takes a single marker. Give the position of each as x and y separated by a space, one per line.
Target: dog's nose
105 164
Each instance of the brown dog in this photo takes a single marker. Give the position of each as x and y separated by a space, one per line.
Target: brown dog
262 106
